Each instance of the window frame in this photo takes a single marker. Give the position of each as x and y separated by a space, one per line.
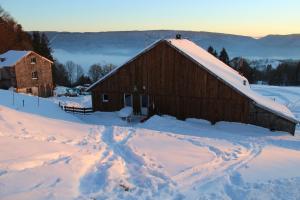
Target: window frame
104 100
29 90
36 75
33 60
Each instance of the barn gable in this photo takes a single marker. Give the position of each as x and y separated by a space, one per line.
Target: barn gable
221 71
183 80
12 57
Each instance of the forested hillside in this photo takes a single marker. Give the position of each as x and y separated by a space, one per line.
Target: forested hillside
11 34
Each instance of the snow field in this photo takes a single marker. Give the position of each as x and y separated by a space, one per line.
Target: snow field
46 153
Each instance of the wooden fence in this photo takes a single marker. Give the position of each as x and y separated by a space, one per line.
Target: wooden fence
76 109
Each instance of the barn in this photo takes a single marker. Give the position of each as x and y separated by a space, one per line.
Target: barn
176 77
26 71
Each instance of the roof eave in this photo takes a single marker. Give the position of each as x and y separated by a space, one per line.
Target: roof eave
294 120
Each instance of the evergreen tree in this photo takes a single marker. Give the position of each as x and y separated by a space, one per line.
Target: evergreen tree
224 56
298 74
45 47
212 51
243 67
36 42
41 45
268 73
60 75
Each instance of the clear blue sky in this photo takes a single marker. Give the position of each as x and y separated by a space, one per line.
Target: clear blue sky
247 17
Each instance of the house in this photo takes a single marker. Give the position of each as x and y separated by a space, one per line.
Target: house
176 77
26 71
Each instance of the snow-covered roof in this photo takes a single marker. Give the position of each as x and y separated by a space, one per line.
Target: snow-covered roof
11 57
223 72
229 76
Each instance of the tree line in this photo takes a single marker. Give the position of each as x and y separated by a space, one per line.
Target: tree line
287 73
71 74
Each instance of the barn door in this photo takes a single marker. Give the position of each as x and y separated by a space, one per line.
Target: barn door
128 100
144 102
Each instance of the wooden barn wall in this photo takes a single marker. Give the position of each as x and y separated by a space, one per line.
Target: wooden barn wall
44 84
176 86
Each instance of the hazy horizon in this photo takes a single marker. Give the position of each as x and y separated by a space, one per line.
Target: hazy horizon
254 18
203 31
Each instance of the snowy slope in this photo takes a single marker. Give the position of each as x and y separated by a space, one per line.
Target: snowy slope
46 153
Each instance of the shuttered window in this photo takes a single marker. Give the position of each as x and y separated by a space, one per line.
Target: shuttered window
34 75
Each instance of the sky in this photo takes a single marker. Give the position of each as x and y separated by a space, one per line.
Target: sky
243 17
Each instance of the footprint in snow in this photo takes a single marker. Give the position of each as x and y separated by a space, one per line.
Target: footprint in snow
24 131
67 141
51 138
2 172
55 182
83 142
65 159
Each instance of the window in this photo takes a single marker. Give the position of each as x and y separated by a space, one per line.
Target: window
2 59
245 82
33 60
34 75
127 100
29 90
104 98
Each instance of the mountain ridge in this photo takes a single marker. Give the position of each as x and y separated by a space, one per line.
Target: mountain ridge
118 46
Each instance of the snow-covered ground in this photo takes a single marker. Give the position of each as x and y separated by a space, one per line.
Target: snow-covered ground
46 153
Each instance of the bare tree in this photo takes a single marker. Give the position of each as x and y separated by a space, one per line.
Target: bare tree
107 68
79 72
95 72
6 16
74 71
70 68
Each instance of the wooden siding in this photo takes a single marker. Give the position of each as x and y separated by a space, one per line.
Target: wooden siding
176 85
43 85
